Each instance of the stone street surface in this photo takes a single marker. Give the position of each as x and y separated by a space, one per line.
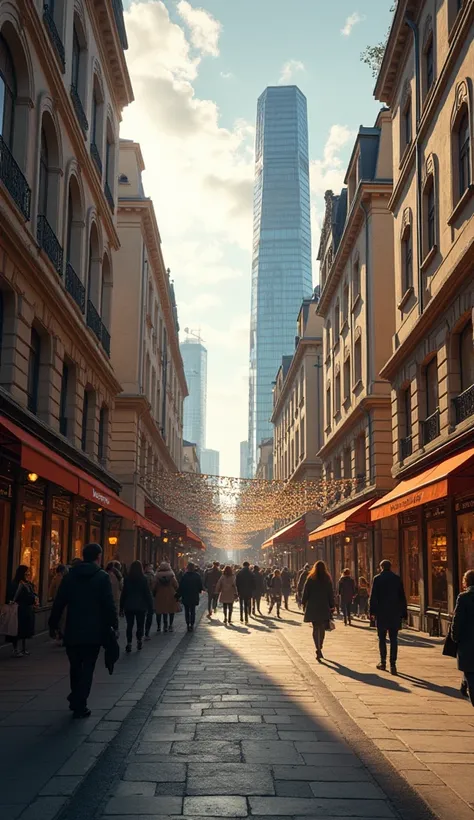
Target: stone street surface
241 721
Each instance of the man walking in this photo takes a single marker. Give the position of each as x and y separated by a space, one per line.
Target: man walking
86 592
286 585
211 578
245 587
190 588
388 605
346 590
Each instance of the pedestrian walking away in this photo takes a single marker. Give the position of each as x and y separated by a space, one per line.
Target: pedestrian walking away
286 585
388 605
258 590
346 590
165 589
318 604
276 591
245 581
22 592
462 633
116 580
211 577
149 571
301 580
54 585
362 598
86 591
189 590
226 589
135 601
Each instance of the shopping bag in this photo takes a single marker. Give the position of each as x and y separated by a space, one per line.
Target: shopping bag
9 620
450 647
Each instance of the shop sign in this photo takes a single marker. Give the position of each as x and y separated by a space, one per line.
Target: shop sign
100 498
464 505
435 512
409 518
34 498
61 505
5 489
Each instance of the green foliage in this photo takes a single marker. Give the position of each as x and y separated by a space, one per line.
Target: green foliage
373 55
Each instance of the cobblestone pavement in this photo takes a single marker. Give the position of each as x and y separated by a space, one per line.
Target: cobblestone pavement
241 721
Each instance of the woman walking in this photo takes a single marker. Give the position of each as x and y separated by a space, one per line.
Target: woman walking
226 588
276 591
462 633
318 604
22 592
165 589
135 602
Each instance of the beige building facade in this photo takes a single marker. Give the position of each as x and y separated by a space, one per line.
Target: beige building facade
147 424
427 80
64 83
357 305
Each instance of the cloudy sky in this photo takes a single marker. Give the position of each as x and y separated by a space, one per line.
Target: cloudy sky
197 69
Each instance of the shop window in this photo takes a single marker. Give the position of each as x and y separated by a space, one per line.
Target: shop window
363 562
34 361
437 564
103 434
411 564
80 533
358 361
465 527
30 548
348 555
58 546
5 490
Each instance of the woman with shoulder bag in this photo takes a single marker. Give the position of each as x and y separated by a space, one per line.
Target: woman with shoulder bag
165 589
22 592
318 604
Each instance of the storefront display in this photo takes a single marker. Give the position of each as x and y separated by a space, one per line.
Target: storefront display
437 558
5 506
348 552
465 532
95 528
58 550
363 560
30 550
80 530
411 563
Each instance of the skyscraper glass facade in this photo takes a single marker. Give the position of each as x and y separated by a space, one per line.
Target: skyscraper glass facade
195 369
281 259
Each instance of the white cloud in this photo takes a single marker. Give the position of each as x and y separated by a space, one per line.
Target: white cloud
351 21
204 28
227 75
289 70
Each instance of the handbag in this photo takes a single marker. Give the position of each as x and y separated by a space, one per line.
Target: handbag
9 617
450 647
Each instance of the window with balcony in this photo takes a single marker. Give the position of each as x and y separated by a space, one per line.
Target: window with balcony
14 121
74 242
34 361
78 72
48 194
464 403
430 425
53 18
97 125
8 94
358 361
110 166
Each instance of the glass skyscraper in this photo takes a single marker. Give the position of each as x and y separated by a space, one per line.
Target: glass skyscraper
281 259
195 369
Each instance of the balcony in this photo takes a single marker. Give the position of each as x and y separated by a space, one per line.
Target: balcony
109 197
79 109
119 22
406 447
14 181
360 482
430 428
97 326
464 404
105 339
75 288
96 157
48 241
54 36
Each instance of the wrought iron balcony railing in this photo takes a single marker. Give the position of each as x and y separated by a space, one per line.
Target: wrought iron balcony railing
406 447
75 287
48 241
97 326
54 35
360 482
96 157
13 179
464 404
79 109
430 427
109 197
105 339
119 22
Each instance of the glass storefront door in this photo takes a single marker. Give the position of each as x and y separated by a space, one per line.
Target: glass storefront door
363 561
411 564
30 548
437 562
4 543
465 526
58 545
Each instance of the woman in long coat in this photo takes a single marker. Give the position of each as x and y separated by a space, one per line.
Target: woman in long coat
226 588
462 632
166 605
22 592
318 603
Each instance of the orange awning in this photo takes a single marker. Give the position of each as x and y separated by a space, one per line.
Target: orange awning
453 475
344 522
297 529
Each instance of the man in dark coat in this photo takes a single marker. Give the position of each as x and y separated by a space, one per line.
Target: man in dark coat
388 605
300 582
285 585
211 578
190 588
86 591
258 590
245 581
462 632
346 592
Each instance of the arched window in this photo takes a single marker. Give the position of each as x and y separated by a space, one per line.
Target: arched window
93 273
44 176
466 357
48 192
74 244
407 260
78 72
15 115
8 94
106 292
110 166
97 124
430 216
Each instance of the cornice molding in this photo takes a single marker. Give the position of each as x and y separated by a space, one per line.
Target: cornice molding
114 63
290 376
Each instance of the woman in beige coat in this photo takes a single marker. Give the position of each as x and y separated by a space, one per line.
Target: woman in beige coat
227 590
166 604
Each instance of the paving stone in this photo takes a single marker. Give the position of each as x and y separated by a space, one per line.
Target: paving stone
276 751
208 751
337 773
293 806
142 805
154 748
228 806
44 808
118 713
173 772
362 791
58 786
293 788
240 778
323 759
82 760
322 747
127 788
236 732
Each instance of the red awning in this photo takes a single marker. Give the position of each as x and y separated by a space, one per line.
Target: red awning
147 525
297 529
453 475
191 536
344 522
167 522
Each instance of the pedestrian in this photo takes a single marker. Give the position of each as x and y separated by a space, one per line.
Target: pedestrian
286 585
318 604
301 580
226 589
245 581
211 578
21 591
346 591
388 605
54 585
462 633
164 590
86 591
363 598
276 591
116 580
149 571
135 602
258 589
190 588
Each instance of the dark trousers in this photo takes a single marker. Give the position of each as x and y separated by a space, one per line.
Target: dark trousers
165 620
346 610
318 636
275 599
190 614
393 637
82 660
256 603
228 609
245 607
286 595
149 621
470 685
212 600
130 617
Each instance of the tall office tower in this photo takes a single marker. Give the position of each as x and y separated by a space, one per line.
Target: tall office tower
281 261
244 459
210 462
195 369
